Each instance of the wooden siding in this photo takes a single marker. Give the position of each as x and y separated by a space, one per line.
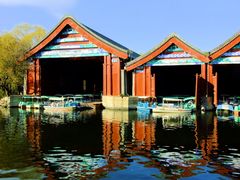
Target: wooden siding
116 76
144 82
31 79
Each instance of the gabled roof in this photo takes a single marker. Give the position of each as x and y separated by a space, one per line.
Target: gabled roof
171 39
93 36
224 47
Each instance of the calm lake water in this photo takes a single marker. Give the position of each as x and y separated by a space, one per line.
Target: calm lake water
117 145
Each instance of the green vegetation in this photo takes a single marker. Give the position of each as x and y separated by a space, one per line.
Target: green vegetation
13 46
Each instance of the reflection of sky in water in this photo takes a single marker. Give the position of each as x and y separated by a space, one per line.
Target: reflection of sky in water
118 145
135 169
180 161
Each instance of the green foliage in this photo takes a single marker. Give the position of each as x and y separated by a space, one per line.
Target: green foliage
13 46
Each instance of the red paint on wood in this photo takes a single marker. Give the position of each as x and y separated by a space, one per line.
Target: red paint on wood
144 82
210 73
69 21
105 76
139 84
109 76
148 81
204 71
116 79
163 47
153 86
30 79
225 48
38 77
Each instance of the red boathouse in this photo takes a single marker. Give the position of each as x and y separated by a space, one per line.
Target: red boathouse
75 59
173 68
224 69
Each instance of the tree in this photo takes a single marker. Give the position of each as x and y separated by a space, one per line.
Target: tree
13 46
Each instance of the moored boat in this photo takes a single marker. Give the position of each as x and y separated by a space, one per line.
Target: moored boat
228 106
189 103
58 104
225 109
30 102
171 105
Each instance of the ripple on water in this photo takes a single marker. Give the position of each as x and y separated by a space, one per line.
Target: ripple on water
175 158
10 171
70 166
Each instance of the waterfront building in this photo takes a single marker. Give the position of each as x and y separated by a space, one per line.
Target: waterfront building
75 59
172 68
224 69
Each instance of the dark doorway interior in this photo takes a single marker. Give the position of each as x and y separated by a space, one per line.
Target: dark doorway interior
66 76
228 79
129 83
175 80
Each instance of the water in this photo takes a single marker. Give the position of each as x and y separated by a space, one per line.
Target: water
117 145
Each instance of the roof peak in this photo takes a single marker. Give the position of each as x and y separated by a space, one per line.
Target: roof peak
172 38
224 44
94 36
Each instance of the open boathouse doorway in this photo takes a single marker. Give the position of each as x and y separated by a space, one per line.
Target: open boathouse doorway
228 80
72 76
172 68
225 67
176 80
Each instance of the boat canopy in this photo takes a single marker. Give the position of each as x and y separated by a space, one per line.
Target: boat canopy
173 99
189 98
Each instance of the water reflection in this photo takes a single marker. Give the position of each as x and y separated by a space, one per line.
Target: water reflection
116 144
171 121
16 157
70 165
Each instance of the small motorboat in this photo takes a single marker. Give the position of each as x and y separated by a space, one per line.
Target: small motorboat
225 109
171 105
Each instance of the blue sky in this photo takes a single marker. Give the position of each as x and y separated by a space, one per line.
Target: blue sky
137 24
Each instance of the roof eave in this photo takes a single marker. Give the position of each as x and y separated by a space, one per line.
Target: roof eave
167 42
224 47
122 53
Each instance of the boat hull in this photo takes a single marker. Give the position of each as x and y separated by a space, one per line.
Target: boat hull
59 109
170 110
224 110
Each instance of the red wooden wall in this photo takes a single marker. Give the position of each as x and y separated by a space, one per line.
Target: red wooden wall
111 76
144 82
34 78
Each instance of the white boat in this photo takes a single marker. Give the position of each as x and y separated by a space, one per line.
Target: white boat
171 105
58 104
225 109
189 103
30 103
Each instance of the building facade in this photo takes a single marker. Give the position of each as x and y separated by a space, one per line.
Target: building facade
172 68
75 59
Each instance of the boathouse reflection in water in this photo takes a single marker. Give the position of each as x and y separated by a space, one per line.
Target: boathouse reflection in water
108 142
